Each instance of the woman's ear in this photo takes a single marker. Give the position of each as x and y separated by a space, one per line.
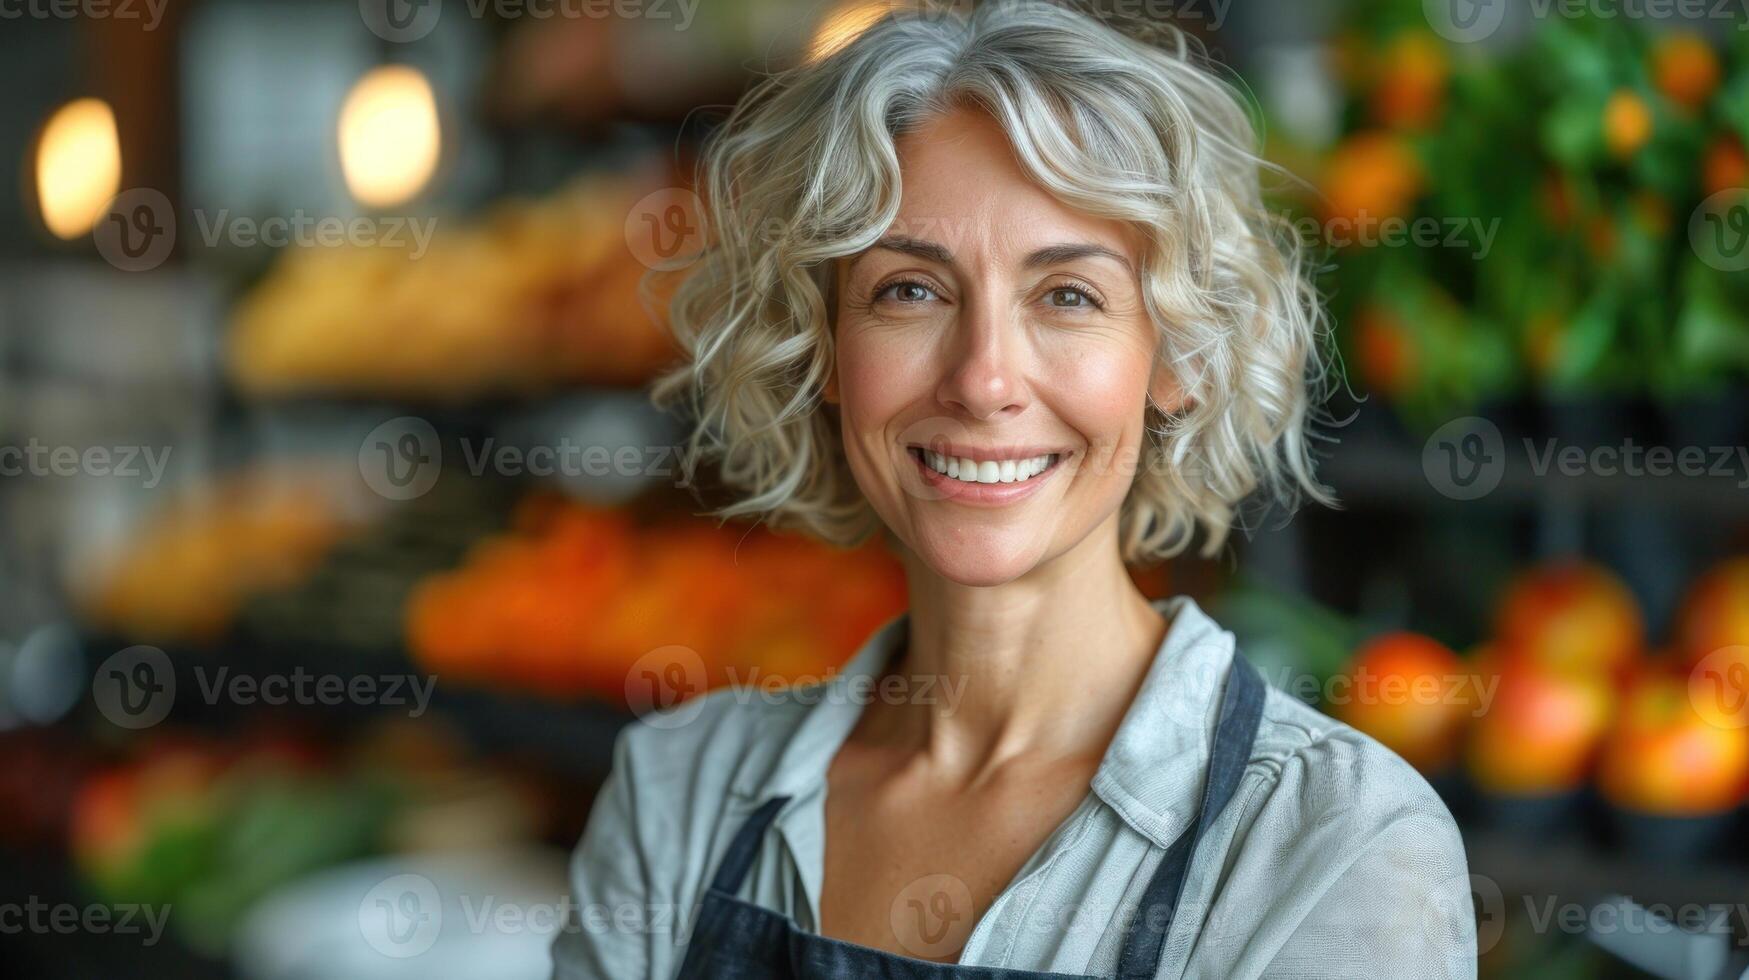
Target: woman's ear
830 391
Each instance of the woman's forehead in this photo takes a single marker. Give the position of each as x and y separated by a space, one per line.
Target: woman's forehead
963 188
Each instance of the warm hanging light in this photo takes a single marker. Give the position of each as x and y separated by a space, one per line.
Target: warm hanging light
844 24
78 166
389 136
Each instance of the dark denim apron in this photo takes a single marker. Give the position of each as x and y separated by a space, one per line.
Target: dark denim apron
737 940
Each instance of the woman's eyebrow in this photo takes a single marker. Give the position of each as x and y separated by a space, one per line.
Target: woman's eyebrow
915 246
1059 254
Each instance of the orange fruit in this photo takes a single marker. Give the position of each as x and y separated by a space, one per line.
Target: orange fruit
1540 731
1725 165
1573 617
1389 361
1664 756
1371 176
1627 123
1685 69
1409 90
1408 691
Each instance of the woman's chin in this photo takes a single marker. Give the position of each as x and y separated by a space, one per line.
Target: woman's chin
981 560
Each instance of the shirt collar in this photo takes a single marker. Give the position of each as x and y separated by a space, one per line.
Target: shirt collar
1151 774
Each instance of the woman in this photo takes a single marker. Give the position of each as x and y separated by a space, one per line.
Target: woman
1002 286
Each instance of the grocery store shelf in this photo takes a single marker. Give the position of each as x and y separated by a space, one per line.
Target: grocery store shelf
1573 871
569 738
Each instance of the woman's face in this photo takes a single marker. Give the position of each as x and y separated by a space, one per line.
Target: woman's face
998 334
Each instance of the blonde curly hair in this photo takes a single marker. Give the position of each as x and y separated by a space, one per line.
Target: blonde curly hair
1122 124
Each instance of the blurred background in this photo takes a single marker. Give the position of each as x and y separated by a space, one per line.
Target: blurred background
338 538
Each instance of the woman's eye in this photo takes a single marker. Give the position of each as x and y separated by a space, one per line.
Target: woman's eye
907 292
1069 298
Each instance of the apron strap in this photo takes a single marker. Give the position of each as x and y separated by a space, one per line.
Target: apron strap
1241 710
745 847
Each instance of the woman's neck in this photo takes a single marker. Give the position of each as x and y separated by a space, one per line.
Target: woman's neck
1048 662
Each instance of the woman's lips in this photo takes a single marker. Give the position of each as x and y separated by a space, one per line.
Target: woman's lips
993 494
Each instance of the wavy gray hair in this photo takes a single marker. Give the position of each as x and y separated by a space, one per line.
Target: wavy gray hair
1121 125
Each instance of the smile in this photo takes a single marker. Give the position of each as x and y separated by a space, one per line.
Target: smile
968 469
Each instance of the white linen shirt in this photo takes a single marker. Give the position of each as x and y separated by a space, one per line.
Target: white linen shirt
1333 859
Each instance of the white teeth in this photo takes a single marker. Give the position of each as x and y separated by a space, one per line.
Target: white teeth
968 470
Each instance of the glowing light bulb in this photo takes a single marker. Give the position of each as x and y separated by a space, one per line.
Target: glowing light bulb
78 166
390 139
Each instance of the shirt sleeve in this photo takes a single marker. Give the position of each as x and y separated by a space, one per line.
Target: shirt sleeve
610 931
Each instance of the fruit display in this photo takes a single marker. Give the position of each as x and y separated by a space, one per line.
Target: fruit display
1564 695
574 598
206 826
186 570
1571 617
1541 730
1404 690
1715 617
535 295
1561 217
1667 756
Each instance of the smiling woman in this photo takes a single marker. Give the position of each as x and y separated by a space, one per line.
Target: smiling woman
1025 313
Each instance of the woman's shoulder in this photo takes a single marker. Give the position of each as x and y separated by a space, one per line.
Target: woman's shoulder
735 741
1330 774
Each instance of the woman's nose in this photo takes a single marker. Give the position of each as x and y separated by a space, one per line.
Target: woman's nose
983 377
